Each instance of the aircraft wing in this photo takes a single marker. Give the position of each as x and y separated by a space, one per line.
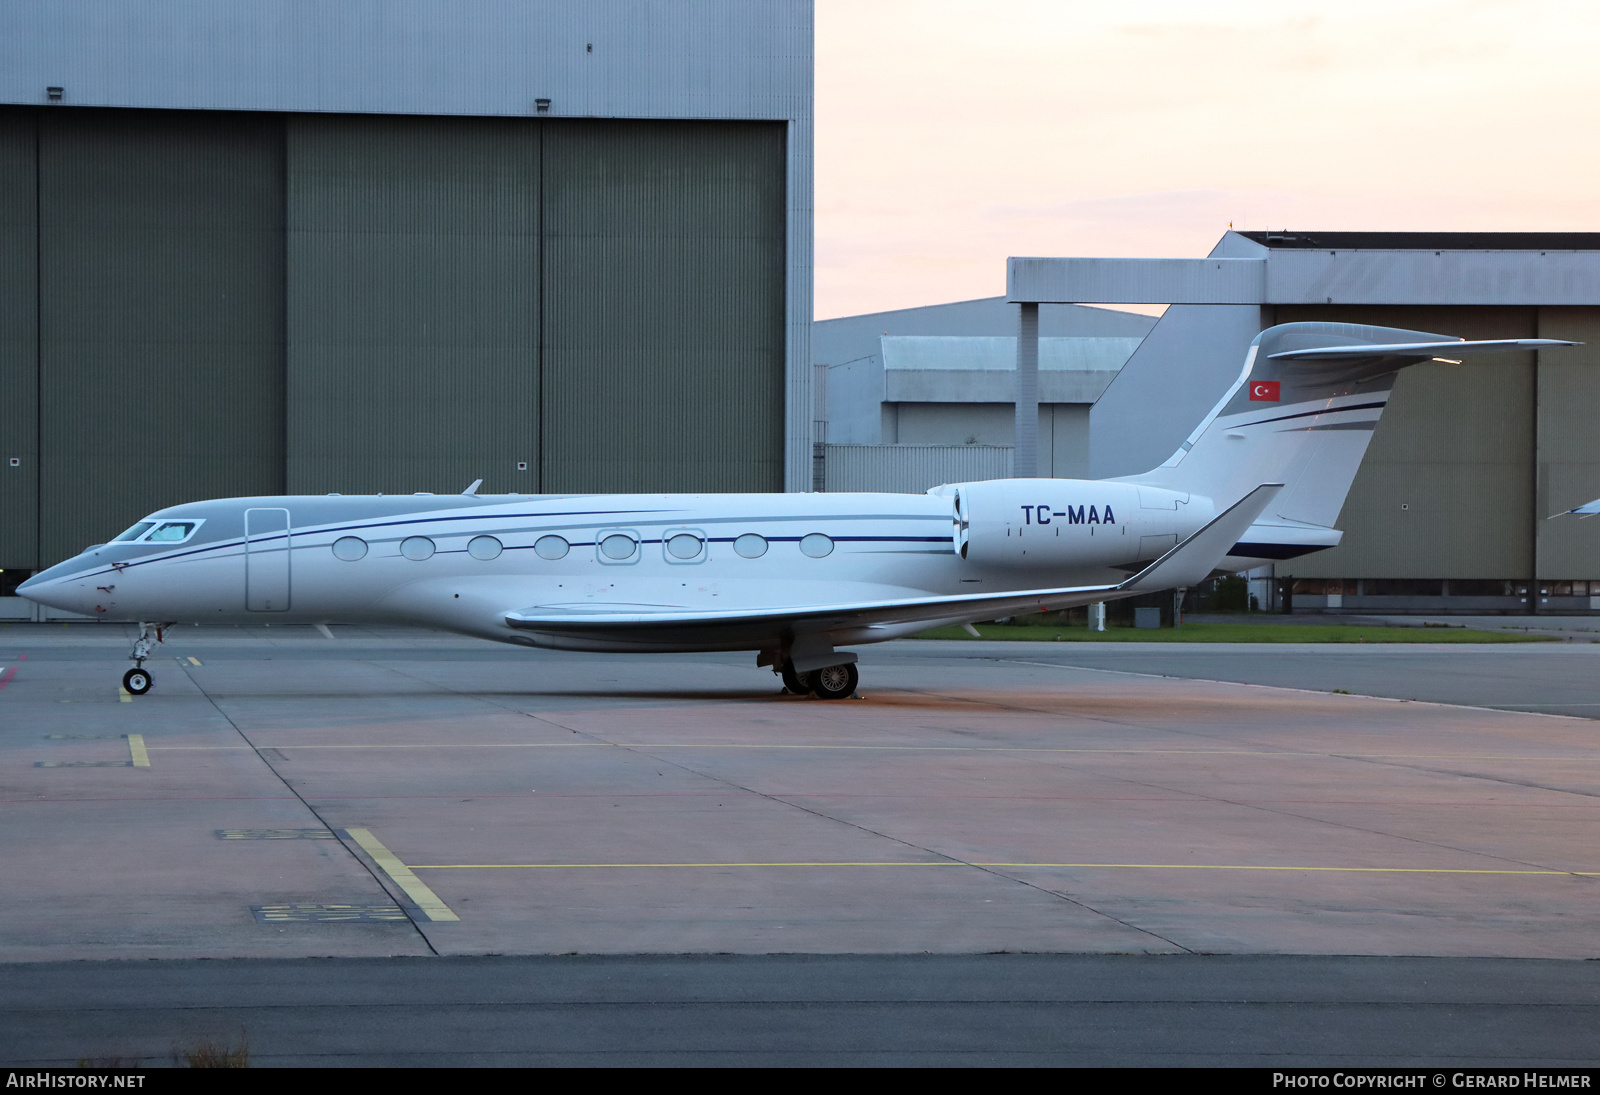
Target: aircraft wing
1185 565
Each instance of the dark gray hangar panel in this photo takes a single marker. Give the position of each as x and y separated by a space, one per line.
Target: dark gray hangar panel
160 255
413 303
663 306
19 343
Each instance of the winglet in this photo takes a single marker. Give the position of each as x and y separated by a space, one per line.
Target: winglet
472 491
1192 561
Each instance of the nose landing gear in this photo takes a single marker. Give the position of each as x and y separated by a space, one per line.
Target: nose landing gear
137 681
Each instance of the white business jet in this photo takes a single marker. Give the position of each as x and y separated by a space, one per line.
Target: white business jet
792 577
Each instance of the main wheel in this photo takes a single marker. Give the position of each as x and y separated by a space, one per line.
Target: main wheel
794 682
834 682
137 681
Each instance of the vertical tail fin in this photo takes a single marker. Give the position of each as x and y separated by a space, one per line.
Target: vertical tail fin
1302 413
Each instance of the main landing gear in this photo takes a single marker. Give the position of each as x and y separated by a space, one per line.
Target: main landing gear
833 682
137 681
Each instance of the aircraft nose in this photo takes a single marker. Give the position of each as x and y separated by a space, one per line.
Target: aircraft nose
53 587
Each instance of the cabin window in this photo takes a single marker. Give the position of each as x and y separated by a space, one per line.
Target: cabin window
172 532
618 546
484 547
416 548
349 548
685 545
816 545
551 547
751 546
135 532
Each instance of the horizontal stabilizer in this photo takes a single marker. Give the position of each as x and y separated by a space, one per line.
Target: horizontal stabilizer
1450 348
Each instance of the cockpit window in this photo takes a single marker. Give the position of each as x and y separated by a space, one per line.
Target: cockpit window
171 532
135 532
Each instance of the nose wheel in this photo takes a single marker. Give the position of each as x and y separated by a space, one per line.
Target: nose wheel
137 681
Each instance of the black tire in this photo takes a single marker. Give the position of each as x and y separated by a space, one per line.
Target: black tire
834 682
794 682
136 682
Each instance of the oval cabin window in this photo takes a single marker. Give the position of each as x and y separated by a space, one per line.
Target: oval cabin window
416 548
751 546
349 548
617 546
816 545
484 547
551 547
684 546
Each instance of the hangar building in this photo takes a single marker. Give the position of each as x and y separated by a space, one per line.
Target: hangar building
397 245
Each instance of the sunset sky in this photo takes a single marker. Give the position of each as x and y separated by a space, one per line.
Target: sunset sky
952 134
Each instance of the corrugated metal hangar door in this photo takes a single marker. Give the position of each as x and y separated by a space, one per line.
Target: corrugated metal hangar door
160 305
663 306
201 304
413 303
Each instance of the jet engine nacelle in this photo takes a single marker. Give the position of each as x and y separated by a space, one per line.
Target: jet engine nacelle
1059 523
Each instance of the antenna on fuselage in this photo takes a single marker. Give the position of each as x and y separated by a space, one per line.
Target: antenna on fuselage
472 491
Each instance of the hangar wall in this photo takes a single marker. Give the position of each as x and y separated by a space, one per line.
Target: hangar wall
219 304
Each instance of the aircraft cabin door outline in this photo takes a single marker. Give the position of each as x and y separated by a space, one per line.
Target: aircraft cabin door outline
266 560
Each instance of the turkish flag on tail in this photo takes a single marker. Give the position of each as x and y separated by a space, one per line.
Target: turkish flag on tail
1264 390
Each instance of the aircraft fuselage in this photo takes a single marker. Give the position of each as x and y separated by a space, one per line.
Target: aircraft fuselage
462 563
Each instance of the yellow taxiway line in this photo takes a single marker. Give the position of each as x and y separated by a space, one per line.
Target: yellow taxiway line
1015 866
136 749
425 899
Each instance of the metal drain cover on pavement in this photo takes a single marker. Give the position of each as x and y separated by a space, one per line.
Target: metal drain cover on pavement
325 914
275 834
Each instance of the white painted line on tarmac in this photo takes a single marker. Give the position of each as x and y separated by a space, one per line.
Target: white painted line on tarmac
136 749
